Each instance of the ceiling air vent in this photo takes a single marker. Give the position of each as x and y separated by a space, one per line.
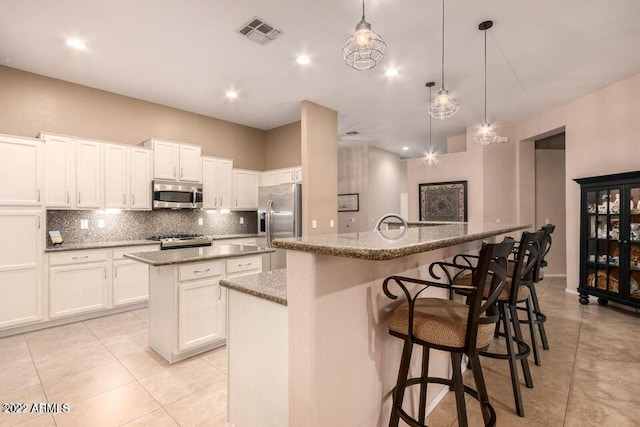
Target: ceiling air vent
259 31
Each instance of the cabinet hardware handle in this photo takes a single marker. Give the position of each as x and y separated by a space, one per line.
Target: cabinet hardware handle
38 222
80 257
105 272
236 202
38 194
79 197
245 265
174 171
200 271
215 204
67 196
124 199
219 292
133 199
115 271
181 172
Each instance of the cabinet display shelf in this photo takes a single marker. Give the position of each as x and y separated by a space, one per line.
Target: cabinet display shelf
608 206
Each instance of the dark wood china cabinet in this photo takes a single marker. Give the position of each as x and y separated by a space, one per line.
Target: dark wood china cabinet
610 238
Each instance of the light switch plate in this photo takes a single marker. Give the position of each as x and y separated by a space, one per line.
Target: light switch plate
241 220
332 223
84 224
101 223
314 223
200 221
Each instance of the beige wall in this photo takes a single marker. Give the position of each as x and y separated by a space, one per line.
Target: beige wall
33 103
319 168
550 205
602 137
353 176
456 144
384 184
282 146
499 171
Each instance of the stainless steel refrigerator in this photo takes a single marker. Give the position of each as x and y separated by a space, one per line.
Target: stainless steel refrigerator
279 216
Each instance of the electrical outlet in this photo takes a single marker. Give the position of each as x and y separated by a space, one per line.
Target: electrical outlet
332 223
84 224
241 220
314 223
498 220
352 219
546 221
101 223
200 221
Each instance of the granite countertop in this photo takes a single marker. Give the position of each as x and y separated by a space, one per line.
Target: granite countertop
187 255
124 243
98 245
270 285
391 244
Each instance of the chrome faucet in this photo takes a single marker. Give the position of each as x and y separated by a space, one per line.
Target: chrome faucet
384 217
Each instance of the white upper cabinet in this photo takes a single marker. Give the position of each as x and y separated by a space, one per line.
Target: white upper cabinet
298 174
268 178
286 176
245 184
88 176
281 176
116 177
140 176
175 162
59 172
216 183
20 163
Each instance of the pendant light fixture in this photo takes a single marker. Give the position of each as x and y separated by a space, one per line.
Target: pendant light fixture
431 159
485 135
364 49
444 106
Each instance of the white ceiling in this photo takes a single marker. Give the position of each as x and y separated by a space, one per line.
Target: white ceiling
186 54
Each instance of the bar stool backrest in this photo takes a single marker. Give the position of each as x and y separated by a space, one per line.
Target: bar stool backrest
492 262
545 247
526 262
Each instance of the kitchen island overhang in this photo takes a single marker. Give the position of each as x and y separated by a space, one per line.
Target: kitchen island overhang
343 363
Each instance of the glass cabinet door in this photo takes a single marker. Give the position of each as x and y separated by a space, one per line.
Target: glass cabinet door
634 241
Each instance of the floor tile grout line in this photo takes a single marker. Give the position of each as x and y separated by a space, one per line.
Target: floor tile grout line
573 368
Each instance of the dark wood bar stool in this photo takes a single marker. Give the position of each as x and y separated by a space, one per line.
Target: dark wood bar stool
443 324
538 275
522 268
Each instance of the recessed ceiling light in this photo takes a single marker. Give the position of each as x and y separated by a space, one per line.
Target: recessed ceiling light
405 148
75 43
391 72
232 94
303 60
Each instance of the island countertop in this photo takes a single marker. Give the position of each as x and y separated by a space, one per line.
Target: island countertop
188 255
270 285
392 244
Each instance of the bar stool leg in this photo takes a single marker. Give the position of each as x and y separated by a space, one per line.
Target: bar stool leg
423 384
483 396
518 335
540 321
532 332
458 387
513 367
401 384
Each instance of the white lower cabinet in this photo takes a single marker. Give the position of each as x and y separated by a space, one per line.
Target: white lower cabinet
201 318
130 282
77 289
20 302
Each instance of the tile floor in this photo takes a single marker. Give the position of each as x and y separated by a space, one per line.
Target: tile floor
104 370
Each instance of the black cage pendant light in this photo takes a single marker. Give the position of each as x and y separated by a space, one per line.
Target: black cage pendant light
364 49
444 106
431 159
485 135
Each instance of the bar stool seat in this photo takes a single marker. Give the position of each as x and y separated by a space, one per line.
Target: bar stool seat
438 321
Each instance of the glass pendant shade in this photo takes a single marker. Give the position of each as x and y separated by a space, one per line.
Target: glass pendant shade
444 106
364 49
431 159
485 135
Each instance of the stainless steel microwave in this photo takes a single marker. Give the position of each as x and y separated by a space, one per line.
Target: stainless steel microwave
176 195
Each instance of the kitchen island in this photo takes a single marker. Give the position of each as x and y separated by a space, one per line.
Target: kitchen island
342 363
186 304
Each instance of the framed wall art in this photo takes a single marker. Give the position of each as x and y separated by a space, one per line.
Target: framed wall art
349 202
443 201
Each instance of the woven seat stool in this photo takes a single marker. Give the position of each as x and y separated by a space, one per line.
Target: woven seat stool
451 326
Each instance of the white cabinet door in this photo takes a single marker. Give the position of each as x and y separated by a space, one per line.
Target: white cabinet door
20 290
88 174
165 160
298 174
286 176
246 189
115 176
209 183
59 172
190 163
225 184
19 172
200 320
268 178
130 282
77 289
140 176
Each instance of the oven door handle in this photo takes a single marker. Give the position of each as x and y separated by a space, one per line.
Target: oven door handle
195 197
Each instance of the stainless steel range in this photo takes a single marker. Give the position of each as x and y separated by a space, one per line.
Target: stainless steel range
179 241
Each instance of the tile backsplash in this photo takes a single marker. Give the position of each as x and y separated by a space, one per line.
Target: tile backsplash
135 225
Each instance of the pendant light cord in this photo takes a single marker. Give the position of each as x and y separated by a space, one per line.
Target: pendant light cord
442 43
485 76
430 146
363 10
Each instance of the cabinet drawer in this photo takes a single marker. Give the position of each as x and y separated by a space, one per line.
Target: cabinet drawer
199 270
76 257
119 252
239 265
